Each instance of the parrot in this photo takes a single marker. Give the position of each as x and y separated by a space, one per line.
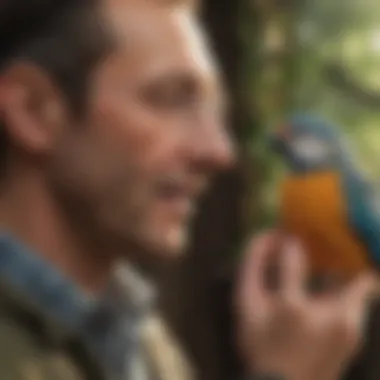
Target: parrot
325 199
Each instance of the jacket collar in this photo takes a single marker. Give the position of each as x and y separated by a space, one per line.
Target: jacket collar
59 300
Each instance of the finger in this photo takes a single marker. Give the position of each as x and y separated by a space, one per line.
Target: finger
293 270
251 286
324 284
357 296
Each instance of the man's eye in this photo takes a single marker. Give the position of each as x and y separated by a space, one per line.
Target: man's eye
175 98
167 97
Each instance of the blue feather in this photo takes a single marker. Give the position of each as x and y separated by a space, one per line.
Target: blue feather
363 213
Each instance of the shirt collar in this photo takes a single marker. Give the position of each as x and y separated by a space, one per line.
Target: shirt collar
57 297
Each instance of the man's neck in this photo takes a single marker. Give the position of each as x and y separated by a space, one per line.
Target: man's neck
30 213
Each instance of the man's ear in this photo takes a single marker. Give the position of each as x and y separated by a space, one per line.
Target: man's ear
31 107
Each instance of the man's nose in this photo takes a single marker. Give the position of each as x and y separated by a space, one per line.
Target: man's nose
213 148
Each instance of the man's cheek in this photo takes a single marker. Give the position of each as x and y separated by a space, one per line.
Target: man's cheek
161 141
155 140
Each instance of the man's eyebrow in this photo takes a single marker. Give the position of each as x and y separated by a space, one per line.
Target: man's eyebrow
174 76
217 91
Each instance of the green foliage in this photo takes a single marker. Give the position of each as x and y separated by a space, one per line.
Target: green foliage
311 37
347 32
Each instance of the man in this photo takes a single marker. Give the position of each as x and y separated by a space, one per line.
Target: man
111 127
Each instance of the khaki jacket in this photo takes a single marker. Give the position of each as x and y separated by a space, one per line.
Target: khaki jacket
39 314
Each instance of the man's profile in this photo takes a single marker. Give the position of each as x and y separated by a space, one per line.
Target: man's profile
110 129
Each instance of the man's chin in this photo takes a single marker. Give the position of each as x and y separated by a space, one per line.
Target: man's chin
170 245
159 244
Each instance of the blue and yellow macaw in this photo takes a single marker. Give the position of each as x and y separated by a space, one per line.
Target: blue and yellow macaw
325 199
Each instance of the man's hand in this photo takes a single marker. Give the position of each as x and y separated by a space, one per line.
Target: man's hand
289 332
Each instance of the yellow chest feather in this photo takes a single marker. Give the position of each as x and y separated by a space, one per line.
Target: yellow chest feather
313 208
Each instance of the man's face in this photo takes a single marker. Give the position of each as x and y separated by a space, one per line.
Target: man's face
153 132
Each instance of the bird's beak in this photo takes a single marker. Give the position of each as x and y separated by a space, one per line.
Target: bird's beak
278 140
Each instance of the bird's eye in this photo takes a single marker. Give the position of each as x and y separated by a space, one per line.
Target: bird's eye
310 149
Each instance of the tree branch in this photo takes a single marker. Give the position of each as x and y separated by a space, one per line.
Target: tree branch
340 78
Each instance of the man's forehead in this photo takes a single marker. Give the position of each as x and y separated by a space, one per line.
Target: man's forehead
158 38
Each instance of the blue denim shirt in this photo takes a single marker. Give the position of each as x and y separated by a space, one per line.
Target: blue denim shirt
108 325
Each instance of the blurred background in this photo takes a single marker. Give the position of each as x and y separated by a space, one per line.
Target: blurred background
277 56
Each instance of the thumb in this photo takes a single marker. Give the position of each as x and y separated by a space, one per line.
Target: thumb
358 295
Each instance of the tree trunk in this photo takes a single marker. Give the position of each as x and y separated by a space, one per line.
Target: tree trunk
196 294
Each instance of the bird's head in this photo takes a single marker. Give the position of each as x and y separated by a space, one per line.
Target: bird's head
307 144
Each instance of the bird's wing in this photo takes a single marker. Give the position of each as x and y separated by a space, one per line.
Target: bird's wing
364 213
